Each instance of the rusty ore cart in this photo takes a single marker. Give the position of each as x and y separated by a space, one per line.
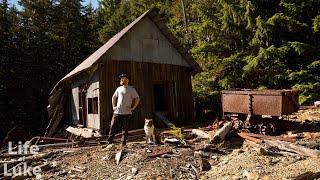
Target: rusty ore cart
259 111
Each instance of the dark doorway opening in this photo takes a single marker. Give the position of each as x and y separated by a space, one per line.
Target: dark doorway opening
82 107
160 98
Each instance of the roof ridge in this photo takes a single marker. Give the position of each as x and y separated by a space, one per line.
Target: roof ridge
154 17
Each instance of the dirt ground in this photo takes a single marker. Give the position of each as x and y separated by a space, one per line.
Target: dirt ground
234 158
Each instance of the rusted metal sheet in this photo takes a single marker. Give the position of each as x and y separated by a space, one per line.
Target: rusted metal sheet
230 101
266 102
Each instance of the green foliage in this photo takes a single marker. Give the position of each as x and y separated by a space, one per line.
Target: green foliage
239 44
39 45
316 24
254 48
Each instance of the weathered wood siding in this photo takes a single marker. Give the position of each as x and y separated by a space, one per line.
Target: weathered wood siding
93 120
75 100
143 76
146 43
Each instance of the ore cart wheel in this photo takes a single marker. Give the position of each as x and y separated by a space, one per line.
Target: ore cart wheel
267 128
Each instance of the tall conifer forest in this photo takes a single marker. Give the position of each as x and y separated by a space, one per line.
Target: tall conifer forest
258 44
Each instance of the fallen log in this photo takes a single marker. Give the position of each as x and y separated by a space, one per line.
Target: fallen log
222 132
293 148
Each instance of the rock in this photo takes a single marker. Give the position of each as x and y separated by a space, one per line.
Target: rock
134 171
54 164
237 151
317 104
214 157
274 161
73 176
250 175
261 151
105 158
166 156
203 164
148 150
62 172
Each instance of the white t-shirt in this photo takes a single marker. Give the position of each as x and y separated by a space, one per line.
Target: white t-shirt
125 96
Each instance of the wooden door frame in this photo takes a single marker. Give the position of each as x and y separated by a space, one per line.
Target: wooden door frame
167 95
83 106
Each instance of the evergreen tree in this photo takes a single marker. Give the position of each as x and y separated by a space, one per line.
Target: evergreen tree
242 46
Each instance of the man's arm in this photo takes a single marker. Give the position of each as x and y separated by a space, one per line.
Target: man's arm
114 102
135 103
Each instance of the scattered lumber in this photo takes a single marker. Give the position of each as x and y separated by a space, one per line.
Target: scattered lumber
118 157
293 148
169 151
57 145
78 169
266 137
83 132
248 137
222 132
200 133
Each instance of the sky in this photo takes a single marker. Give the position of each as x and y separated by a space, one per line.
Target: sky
93 2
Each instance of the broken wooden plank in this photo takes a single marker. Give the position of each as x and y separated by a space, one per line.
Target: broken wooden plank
222 132
266 137
293 148
78 169
118 157
57 145
200 133
160 153
245 136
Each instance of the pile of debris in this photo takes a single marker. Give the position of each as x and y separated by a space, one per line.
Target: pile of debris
213 152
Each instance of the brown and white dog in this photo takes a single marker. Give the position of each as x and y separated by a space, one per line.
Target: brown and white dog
150 131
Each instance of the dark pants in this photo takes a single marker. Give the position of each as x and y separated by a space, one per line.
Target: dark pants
119 122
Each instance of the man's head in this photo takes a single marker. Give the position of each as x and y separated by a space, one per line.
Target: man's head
124 80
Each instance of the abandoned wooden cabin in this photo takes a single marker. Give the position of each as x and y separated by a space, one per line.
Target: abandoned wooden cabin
158 66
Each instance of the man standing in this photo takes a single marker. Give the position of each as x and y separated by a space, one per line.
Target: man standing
124 100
